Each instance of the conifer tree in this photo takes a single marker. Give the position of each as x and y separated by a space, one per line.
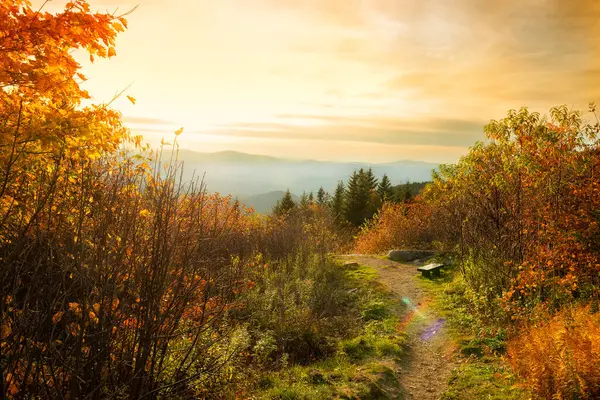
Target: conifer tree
357 198
304 200
337 202
407 194
370 179
384 189
322 196
373 203
285 205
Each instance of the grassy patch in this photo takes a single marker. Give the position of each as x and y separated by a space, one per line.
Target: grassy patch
483 379
483 374
362 275
364 365
337 377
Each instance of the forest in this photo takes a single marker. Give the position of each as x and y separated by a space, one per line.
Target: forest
120 280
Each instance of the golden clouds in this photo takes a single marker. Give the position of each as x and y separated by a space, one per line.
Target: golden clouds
227 64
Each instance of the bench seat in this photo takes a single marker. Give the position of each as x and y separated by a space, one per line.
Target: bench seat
430 269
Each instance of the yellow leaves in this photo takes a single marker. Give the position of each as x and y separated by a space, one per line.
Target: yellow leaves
118 26
57 317
178 131
111 52
131 99
11 383
5 329
144 213
76 309
93 317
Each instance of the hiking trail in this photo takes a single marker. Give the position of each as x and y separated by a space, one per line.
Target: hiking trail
430 354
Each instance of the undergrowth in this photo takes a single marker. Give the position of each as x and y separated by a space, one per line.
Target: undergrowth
364 363
481 343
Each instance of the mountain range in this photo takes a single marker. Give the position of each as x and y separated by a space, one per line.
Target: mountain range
258 179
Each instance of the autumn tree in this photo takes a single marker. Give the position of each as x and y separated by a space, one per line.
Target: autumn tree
41 79
106 290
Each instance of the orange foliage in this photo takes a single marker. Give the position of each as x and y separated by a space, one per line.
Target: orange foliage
404 225
560 358
36 59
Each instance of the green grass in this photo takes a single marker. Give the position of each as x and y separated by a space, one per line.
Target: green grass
362 275
364 366
337 377
483 378
482 374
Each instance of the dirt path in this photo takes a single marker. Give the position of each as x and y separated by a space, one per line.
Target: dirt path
430 357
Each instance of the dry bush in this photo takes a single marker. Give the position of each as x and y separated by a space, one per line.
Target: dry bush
116 281
560 358
396 225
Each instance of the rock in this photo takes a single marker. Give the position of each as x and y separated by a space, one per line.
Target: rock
350 264
409 255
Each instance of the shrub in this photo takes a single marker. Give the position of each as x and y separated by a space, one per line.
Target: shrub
396 225
560 358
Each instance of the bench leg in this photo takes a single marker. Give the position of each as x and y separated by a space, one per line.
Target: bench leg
426 274
437 273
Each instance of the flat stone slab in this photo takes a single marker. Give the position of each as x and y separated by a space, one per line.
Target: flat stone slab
409 255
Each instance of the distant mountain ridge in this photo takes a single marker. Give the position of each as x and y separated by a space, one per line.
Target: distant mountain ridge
263 203
244 175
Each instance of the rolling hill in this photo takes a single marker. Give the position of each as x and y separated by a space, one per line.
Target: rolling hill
248 175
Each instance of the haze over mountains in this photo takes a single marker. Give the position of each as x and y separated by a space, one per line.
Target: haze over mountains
252 177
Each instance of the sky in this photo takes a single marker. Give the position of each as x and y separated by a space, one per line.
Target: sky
344 80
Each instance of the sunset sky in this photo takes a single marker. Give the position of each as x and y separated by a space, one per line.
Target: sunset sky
358 80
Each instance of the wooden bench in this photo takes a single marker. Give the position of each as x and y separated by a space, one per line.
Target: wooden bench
430 269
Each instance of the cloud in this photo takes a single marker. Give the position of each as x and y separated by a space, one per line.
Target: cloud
515 51
145 121
375 73
382 130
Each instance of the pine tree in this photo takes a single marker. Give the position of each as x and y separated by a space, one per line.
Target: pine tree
304 200
407 194
385 190
337 202
285 205
311 198
373 203
371 180
322 196
356 199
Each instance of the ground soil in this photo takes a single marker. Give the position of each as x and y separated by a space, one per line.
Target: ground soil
431 355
